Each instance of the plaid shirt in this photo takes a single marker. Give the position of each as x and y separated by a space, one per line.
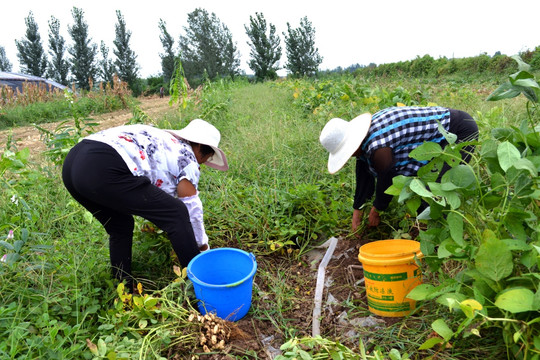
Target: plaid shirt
402 129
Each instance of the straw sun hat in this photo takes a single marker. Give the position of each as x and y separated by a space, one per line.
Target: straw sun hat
342 138
202 132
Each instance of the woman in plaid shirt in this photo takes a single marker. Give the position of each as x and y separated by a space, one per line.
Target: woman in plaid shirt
382 143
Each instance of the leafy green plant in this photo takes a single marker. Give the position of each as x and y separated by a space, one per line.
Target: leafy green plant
484 216
321 348
66 135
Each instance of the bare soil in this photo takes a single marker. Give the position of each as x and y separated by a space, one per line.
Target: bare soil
342 286
30 137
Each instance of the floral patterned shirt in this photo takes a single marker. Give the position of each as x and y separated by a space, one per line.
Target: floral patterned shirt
153 153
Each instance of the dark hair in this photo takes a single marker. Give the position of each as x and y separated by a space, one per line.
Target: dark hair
205 149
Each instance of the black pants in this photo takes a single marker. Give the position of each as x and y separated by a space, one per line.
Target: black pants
97 177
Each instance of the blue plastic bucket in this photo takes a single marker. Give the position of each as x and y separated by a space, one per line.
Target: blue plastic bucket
223 280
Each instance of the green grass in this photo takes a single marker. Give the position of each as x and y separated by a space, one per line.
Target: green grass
277 194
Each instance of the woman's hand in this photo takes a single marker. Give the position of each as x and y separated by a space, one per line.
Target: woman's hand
374 217
357 221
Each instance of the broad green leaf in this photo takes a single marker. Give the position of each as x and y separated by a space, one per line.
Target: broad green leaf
17 245
393 190
150 302
413 204
520 75
421 292
453 200
455 224
102 347
514 221
515 300
504 91
461 176
469 306
494 260
451 299
451 138
536 302
25 234
525 164
394 354
426 151
336 355
515 244
528 83
449 248
304 355
508 155
431 342
138 301
448 186
430 171
6 245
12 258
487 286
88 217
522 65
440 327
418 187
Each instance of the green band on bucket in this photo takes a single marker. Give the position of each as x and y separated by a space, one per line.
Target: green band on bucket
385 277
389 307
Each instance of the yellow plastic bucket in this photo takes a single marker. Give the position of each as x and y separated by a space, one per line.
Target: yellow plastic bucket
390 272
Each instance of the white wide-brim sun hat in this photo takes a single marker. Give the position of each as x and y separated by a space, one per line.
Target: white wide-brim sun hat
202 132
342 138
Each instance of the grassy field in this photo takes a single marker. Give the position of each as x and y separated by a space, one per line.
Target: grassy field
58 300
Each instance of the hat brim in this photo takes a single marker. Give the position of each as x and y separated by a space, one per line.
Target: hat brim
356 133
217 161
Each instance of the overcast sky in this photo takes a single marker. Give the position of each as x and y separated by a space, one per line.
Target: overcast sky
347 32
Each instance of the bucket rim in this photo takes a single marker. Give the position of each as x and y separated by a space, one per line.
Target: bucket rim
193 278
397 258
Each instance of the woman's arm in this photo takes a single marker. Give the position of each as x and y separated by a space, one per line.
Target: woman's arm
383 163
190 197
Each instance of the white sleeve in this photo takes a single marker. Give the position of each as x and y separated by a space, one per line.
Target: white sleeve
194 206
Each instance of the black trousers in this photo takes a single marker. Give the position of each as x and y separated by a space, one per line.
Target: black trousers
99 179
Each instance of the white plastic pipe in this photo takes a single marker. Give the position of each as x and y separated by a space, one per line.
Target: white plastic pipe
320 287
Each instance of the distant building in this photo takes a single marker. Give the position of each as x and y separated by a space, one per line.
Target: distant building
16 81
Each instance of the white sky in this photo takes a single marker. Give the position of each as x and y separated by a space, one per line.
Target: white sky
347 32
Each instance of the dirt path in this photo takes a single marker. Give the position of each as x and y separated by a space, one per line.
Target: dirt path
30 137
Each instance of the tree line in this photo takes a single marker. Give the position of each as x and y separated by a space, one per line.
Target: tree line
206 50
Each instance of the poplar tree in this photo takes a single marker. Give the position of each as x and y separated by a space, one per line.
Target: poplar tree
303 57
5 64
83 51
168 55
126 60
265 48
58 65
207 49
106 68
31 54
